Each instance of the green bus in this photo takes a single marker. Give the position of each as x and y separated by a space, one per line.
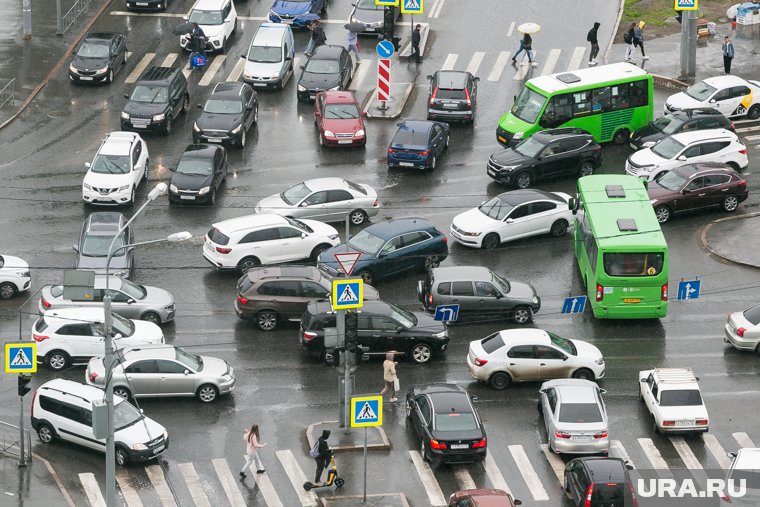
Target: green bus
609 102
621 252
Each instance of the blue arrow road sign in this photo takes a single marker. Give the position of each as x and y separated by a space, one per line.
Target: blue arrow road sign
446 313
689 289
385 49
574 304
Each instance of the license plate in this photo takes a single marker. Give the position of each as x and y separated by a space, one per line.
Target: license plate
159 449
685 423
312 97
460 446
450 105
140 126
85 78
259 84
582 438
345 141
632 300
287 21
212 140
142 4
406 164
188 197
503 140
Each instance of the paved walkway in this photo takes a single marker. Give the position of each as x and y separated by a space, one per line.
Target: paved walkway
31 486
735 239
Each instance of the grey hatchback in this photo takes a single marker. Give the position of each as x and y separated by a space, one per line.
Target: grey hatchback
478 291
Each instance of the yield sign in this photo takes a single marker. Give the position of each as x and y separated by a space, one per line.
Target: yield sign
347 261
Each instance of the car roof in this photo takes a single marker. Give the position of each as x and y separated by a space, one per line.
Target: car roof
696 111
204 151
100 37
700 168
228 90
327 52
446 396
269 34
339 97
417 125
527 336
546 136
329 183
150 350
209 4
393 228
284 271
693 136
573 390
452 79
159 76
249 222
516 197
603 469
373 306
455 273
725 81
747 458
107 222
85 393
118 143
488 497
675 376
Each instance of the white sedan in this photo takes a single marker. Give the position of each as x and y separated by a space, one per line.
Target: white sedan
742 329
513 215
731 95
14 276
673 398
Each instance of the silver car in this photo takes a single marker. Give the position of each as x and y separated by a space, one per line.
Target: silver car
575 416
165 370
324 199
128 299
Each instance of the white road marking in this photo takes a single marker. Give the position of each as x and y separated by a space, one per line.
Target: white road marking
717 450
746 129
743 439
433 490
551 61
558 466
511 29
464 479
297 478
477 57
237 70
149 14
524 66
432 8
141 66
498 67
92 490
450 61
211 70
194 485
361 73
128 55
127 491
689 459
654 457
577 58
157 478
752 138
438 6
169 60
228 482
267 489
494 474
186 70
618 451
528 472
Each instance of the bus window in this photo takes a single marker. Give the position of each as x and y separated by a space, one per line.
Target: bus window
558 111
639 93
633 264
601 100
528 105
582 103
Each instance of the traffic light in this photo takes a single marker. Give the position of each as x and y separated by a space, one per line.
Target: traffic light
352 329
23 380
389 20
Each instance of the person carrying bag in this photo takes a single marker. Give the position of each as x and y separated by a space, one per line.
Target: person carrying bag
392 383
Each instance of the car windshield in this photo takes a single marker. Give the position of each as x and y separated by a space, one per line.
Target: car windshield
95 245
133 290
530 147
633 263
528 105
753 314
122 326
206 17
265 54
93 50
366 242
192 361
110 164
369 5
406 136
668 148
700 91
495 208
580 413
195 167
673 180
294 194
341 111
299 225
667 124
125 414
680 398
609 492
150 94
563 343
403 317
501 283
455 421
323 67
220 106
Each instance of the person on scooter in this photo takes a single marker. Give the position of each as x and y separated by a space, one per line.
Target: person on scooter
323 459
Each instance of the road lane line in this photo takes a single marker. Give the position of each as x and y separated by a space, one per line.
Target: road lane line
576 59
551 61
127 491
689 459
92 490
654 457
237 70
169 60
494 474
717 450
194 485
433 490
361 73
523 67
297 478
463 477
432 9
475 61
618 451
212 70
450 61
439 6
752 138
528 472
511 29
743 439
266 488
228 482
498 67
141 66
186 70
157 478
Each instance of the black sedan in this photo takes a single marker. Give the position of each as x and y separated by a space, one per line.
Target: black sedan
447 423
98 58
199 174
229 112
329 68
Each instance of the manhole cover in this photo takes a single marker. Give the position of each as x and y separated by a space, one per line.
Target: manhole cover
57 114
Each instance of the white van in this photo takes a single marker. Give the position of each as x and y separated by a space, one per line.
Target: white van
269 62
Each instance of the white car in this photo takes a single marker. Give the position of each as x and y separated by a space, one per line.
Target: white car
74 335
246 242
731 95
217 19
673 398
715 145
745 466
513 215
120 164
15 276
516 355
742 329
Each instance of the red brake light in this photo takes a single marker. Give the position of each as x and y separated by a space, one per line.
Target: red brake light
391 150
93 376
242 300
480 362
31 408
445 240
743 152
664 292
701 422
633 496
742 183
430 299
599 292
424 153
38 337
601 434
726 499
435 444
561 434
732 127
223 250
668 423
480 444
589 494
309 336
432 97
467 96
376 203
741 331
45 303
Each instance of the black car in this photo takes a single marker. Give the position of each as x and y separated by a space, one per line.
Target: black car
199 174
97 232
599 482
383 327
329 68
447 423
227 115
159 96
98 57
453 96
147 5
545 155
683 120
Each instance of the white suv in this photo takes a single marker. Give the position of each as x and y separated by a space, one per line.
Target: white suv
63 409
14 276
673 398
74 335
245 242
119 166
217 19
715 145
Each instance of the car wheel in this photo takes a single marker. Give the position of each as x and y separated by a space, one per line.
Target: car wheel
242 140
431 261
491 241
523 180
317 251
151 317
212 199
559 228
234 27
621 136
321 140
123 392
256 114
446 146
57 360
500 380
357 217
207 393
132 197
432 163
45 433
7 290
521 315
423 453
247 263
122 457
584 373
421 353
223 49
366 276
147 169
587 169
168 127
110 76
186 104
662 213
266 320
730 203
754 112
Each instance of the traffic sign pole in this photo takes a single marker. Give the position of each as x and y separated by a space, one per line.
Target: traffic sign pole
364 497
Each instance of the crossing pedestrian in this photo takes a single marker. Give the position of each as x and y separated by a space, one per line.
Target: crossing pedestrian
416 38
728 54
592 37
318 37
526 44
252 445
638 38
389 376
519 50
353 45
628 39
323 454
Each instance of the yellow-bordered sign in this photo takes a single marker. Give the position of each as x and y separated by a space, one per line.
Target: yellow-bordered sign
387 3
347 294
686 5
21 357
366 411
411 7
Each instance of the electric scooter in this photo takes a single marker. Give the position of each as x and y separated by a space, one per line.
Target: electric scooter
332 478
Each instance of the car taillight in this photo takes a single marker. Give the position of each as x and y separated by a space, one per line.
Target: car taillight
93 376
480 444
480 362
726 499
242 300
732 128
430 299
664 292
743 152
435 444
589 494
445 240
561 434
741 331
376 203
45 303
39 337
599 292
432 97
391 150
423 153
701 422
668 423
309 336
31 409
601 434
742 183
223 250
633 496
467 97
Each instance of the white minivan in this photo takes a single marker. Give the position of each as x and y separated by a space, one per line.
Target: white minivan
269 62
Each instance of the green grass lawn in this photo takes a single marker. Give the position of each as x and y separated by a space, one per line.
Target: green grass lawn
654 12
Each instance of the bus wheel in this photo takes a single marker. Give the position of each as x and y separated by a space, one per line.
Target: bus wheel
621 136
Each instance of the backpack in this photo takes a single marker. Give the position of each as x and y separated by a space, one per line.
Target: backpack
627 38
588 37
314 452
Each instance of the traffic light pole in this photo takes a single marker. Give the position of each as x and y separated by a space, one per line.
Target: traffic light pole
22 455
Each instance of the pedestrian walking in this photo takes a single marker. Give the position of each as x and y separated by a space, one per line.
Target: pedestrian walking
416 38
728 54
628 39
526 44
353 45
322 454
638 38
252 445
592 37
318 37
519 50
389 376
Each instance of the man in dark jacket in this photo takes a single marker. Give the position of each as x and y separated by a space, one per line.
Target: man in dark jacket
197 39
318 37
416 37
323 459
592 38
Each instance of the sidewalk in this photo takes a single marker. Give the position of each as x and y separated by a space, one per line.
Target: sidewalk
732 239
31 486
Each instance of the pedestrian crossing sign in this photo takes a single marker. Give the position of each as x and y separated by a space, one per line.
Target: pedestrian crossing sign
686 5
411 7
387 3
347 294
366 411
21 357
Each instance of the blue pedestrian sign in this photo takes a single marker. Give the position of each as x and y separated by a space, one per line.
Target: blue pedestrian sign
411 7
688 289
574 304
347 294
686 5
366 411
446 313
21 357
385 49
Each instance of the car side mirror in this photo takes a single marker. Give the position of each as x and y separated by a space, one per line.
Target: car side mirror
643 380
303 204
87 165
713 101
603 391
141 411
474 397
509 220
564 358
126 95
731 455
76 248
514 98
628 466
399 329
475 78
302 67
365 114
303 235
172 169
382 254
686 191
572 203
317 112
187 372
517 502
244 56
249 108
542 391
682 158
184 17
399 124
429 76
130 301
199 106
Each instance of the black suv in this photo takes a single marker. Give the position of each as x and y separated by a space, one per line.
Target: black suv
229 112
159 96
453 95
684 120
599 482
545 155
383 327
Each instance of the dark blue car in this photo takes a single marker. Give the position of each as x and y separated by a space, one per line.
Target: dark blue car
390 248
418 144
297 13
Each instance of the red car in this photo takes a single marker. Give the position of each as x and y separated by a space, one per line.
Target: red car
339 119
482 498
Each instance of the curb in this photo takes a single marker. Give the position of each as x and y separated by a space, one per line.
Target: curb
347 448
37 89
370 102
706 243
614 31
669 82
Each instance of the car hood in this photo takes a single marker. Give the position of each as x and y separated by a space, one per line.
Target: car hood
141 108
274 204
473 220
646 131
343 125
319 81
145 429
157 297
682 101
190 181
98 264
328 257
587 351
521 290
260 69
214 366
427 325
658 192
103 180
320 228
367 16
13 263
292 8
86 63
146 332
214 121
508 158
212 31
645 157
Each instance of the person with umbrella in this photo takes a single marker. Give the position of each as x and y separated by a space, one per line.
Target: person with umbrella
526 43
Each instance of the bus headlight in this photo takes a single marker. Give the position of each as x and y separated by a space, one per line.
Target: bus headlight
518 135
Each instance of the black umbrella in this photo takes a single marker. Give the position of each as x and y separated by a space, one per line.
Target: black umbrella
183 28
354 27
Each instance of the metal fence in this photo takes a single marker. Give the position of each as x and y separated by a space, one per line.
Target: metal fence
6 92
76 10
10 444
